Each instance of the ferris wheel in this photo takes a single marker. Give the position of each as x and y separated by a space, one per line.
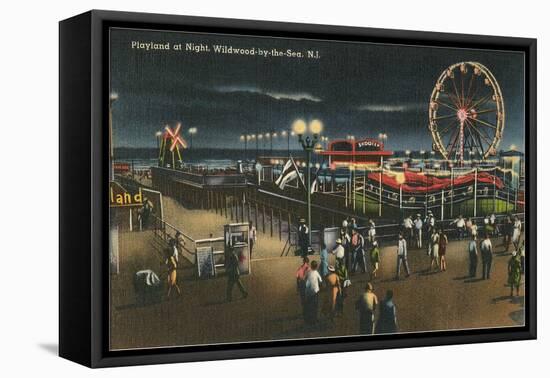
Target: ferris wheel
466 113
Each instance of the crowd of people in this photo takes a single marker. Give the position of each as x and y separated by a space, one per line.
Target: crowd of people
357 250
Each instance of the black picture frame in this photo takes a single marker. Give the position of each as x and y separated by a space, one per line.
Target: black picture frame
83 166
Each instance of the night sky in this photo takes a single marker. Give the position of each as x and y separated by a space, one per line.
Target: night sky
354 88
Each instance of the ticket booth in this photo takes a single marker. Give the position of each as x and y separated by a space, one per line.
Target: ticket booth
237 237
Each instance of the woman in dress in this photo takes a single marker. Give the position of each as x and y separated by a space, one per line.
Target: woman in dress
514 273
516 233
172 275
334 290
443 241
434 242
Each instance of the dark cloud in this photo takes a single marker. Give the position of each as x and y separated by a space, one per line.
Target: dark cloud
354 88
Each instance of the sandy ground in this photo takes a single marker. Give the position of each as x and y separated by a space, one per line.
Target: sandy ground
425 301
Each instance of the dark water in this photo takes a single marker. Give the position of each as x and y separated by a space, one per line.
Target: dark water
216 158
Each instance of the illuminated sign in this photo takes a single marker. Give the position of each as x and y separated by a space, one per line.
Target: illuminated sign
119 197
368 145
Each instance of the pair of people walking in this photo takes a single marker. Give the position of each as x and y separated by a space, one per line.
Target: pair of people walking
437 249
368 304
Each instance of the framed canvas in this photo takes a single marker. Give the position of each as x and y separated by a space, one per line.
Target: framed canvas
234 188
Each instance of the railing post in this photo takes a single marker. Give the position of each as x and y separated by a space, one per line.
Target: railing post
280 225
442 203
495 191
263 219
380 188
256 215
365 191
475 192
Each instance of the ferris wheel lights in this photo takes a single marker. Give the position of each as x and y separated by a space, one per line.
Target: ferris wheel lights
457 122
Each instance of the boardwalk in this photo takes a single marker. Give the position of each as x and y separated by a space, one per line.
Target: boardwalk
426 301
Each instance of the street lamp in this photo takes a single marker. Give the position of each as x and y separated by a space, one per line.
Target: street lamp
244 139
308 144
273 136
286 134
192 131
158 135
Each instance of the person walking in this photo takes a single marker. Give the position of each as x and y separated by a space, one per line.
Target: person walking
303 237
323 255
460 225
233 276
357 252
343 277
418 231
334 290
402 257
339 252
366 305
408 229
374 258
516 233
508 230
372 231
301 274
514 273
434 242
472 254
443 241
430 223
387 320
486 256
252 234
172 275
313 285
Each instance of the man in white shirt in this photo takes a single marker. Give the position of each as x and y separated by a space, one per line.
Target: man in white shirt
472 254
402 256
486 256
408 228
460 227
251 236
372 231
339 251
313 282
418 230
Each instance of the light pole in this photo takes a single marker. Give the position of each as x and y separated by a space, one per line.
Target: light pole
286 134
266 136
253 137
308 144
158 134
192 131
244 138
273 136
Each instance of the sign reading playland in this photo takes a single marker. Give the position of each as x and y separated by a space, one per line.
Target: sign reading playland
120 197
